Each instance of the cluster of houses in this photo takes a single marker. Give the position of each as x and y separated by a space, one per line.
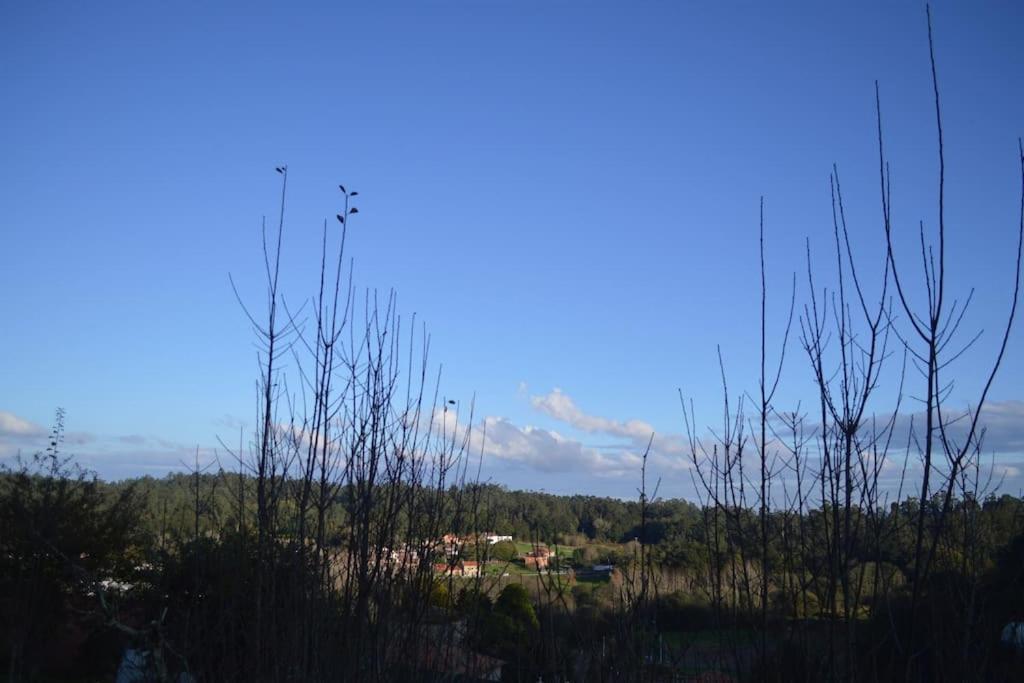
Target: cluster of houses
461 568
447 555
539 558
455 541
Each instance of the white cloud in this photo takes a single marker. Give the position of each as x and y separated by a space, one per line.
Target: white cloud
1001 424
618 455
111 456
560 406
549 451
612 451
668 451
14 426
1002 469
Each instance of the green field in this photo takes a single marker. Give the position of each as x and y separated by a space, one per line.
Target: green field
560 550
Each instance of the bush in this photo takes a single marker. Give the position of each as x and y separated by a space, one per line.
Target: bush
504 551
61 534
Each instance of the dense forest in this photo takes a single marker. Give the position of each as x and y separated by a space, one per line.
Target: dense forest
349 536
169 567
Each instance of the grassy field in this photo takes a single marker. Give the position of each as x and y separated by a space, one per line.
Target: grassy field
523 547
498 567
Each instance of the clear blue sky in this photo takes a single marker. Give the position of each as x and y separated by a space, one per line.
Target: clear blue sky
566 193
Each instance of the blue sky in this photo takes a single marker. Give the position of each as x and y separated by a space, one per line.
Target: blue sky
567 193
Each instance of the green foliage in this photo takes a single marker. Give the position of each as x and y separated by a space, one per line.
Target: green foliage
512 625
440 596
514 602
504 550
472 601
792 603
59 526
62 532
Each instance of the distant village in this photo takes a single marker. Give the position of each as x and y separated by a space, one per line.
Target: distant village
473 555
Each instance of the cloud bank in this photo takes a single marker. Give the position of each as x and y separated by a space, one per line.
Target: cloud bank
594 447
112 456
